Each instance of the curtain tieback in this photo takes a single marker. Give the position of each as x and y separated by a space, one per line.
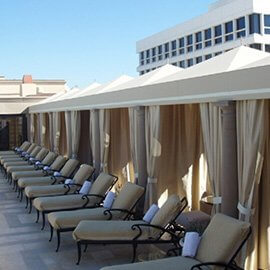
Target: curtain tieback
245 211
151 180
217 200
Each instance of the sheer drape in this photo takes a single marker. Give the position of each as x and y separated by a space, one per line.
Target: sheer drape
68 133
212 138
51 130
56 131
153 152
75 132
252 129
63 135
32 127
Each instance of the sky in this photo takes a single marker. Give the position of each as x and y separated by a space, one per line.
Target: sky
82 41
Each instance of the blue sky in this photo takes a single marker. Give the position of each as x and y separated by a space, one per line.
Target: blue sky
82 41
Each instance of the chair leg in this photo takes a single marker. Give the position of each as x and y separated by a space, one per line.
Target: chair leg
27 202
37 216
85 247
21 193
134 251
79 247
51 236
43 221
58 240
30 205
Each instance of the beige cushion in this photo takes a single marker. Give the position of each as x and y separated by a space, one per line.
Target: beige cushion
58 163
15 163
69 167
39 191
221 239
31 148
50 157
83 174
168 211
27 173
23 168
128 196
70 219
35 152
42 153
14 159
25 146
107 230
173 263
102 184
34 180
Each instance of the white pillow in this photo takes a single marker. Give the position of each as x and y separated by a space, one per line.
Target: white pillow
24 153
191 244
69 181
38 162
150 213
109 199
46 168
56 174
85 187
31 158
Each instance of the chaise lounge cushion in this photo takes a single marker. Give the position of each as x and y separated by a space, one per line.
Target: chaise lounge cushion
35 179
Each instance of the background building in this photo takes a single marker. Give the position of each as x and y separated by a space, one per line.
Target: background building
226 25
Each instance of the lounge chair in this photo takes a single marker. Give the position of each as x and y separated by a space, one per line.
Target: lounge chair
36 177
220 243
132 232
57 186
96 195
16 151
122 208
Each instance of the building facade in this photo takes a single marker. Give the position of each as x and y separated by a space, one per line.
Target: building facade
227 25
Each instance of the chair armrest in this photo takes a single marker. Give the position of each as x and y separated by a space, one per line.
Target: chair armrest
110 212
56 179
87 196
226 265
67 186
39 166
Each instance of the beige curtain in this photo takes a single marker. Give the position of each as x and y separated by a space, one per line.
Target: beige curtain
104 127
75 132
46 131
68 133
51 130
63 135
94 139
32 127
252 121
212 138
153 152
36 129
56 130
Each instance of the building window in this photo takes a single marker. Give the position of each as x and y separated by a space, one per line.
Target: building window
208 56
218 34
173 46
267 24
148 70
190 62
153 51
174 64
166 49
257 46
160 52
182 64
181 45
228 31
189 43
142 72
147 53
240 27
141 55
218 53
254 23
198 59
142 62
207 37
267 48
198 40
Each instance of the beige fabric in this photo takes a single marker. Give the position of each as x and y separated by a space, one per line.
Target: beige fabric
252 130
173 263
104 127
35 152
119 149
69 167
49 159
75 132
62 202
94 137
68 133
153 151
58 163
36 129
83 174
24 172
212 137
128 196
221 239
41 130
34 179
51 132
12 169
39 191
41 154
56 131
107 230
14 163
63 135
31 148
70 219
102 184
32 128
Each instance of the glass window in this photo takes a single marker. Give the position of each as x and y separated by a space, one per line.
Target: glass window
189 40
153 59
208 56
173 53
199 37
199 46
142 72
267 20
267 31
190 62
174 64
182 64
160 57
240 23
147 53
241 34
142 62
160 49
190 49
218 53
254 23
173 44
181 51
208 43
218 30
147 61
228 27
198 59
256 46
218 40
166 47
166 55
141 55
207 34
148 70
229 37
267 48
181 42
153 51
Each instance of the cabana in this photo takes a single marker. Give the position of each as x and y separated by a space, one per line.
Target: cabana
206 132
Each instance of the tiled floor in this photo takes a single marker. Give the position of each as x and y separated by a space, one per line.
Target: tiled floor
24 246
